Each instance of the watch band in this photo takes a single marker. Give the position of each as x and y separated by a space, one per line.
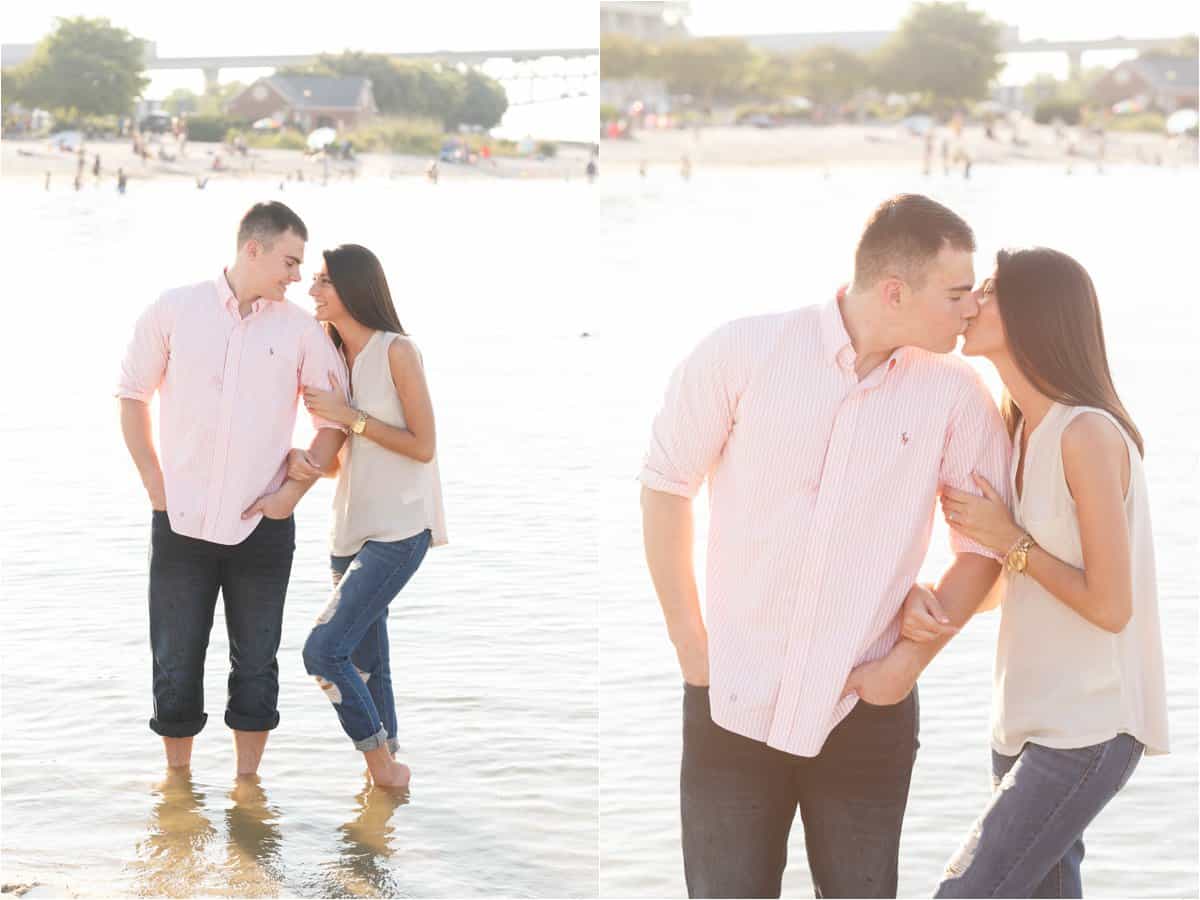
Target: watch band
360 423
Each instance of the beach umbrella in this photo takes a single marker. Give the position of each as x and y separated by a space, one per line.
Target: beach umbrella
267 124
67 140
321 138
1125 107
918 124
1182 120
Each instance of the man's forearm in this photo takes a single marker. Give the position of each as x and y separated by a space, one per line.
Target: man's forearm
667 532
139 438
960 592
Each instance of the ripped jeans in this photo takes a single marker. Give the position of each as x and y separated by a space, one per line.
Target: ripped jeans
347 650
1029 840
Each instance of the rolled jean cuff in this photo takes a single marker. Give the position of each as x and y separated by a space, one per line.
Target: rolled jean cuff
374 742
190 728
239 722
393 746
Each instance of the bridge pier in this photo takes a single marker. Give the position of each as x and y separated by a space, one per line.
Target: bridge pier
1074 64
212 76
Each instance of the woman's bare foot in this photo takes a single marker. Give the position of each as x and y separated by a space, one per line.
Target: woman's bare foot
385 771
397 777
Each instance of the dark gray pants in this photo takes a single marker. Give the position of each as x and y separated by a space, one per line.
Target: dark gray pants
738 798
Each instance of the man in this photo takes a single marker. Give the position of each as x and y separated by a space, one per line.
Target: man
230 358
824 434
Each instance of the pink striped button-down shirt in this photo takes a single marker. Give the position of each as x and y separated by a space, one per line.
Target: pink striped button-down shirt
228 395
822 492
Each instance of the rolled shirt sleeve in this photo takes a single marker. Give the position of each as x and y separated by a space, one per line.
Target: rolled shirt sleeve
696 417
977 443
145 362
320 359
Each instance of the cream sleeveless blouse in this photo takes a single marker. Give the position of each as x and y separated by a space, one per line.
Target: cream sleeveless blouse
382 495
1061 681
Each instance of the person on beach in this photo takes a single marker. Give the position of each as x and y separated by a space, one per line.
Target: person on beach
824 434
229 358
387 509
1079 687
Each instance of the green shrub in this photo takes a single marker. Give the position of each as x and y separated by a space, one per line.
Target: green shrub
208 129
1049 110
1144 121
268 140
420 137
609 113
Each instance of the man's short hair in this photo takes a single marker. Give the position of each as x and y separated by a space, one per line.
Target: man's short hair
903 235
266 221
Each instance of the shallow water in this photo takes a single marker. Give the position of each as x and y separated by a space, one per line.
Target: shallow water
682 257
493 642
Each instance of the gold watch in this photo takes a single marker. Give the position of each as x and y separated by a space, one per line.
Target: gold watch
1018 557
360 423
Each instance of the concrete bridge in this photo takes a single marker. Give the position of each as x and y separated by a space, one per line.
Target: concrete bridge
575 63
1010 42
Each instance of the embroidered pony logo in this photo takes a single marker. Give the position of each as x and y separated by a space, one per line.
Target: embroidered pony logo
904 438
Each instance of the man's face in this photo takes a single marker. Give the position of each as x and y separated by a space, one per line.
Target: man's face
940 310
276 265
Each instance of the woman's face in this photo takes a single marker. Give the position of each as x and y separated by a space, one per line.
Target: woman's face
325 298
985 332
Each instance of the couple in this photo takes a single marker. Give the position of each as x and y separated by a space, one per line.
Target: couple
230 357
827 435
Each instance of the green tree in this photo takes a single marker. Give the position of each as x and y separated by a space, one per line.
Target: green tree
181 100
833 75
710 69
942 50
483 102
622 56
773 77
417 89
1186 46
85 65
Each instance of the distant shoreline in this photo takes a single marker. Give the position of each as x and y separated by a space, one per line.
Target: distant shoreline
30 160
862 145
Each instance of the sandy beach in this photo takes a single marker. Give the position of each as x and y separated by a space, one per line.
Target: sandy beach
32 159
875 145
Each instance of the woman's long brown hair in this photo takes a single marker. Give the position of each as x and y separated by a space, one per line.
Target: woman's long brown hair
362 287
1052 322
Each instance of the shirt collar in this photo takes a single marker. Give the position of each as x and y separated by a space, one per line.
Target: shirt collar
227 298
835 340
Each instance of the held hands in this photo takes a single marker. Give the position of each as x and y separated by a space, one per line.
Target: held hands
922 618
331 404
985 520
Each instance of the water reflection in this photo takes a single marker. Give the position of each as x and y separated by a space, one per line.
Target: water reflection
253 866
171 860
180 855
367 841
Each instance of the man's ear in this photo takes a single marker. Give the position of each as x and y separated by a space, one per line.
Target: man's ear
892 290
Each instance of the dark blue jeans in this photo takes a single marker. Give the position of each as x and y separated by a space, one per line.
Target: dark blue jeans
185 576
1029 840
738 798
347 650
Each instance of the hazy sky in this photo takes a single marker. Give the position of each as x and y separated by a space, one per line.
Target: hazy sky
224 27
1034 18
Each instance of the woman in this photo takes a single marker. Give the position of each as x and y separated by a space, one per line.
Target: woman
388 504
1079 691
